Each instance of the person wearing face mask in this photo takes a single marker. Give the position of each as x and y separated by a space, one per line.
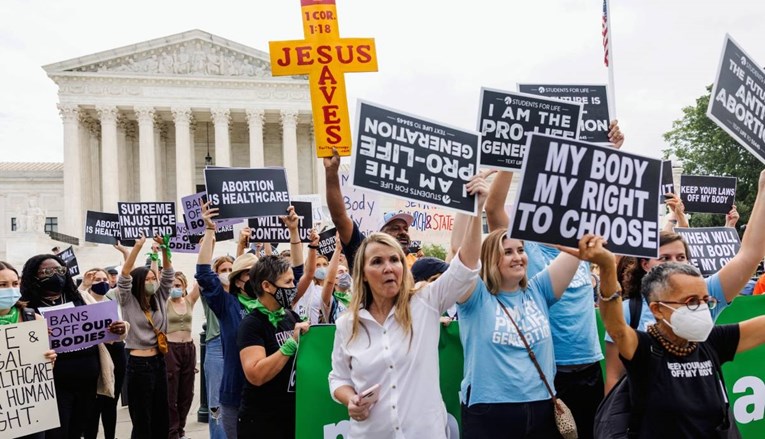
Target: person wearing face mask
181 358
673 367
230 308
335 293
309 286
268 339
79 375
143 295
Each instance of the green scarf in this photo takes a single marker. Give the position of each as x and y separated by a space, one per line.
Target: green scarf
11 318
251 304
247 302
343 297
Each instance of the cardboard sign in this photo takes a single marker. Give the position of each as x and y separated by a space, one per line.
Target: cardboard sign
327 242
222 233
507 119
571 188
711 247
317 214
71 261
80 327
181 242
272 229
737 103
667 180
412 158
148 219
707 194
247 193
593 127
28 398
325 57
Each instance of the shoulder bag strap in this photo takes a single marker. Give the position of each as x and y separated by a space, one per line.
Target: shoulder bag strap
151 322
712 354
636 308
529 351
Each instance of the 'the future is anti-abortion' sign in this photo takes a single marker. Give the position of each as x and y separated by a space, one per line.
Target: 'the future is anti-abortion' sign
572 188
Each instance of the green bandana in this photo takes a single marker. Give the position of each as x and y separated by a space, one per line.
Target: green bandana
273 316
247 302
343 297
11 318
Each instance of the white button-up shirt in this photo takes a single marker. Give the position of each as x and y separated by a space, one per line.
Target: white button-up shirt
410 403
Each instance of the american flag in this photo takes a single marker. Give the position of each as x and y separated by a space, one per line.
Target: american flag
605 33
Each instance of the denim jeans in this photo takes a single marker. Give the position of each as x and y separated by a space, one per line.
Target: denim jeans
230 418
213 378
147 390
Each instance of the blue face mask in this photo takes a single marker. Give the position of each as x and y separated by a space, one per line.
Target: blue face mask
9 297
176 293
344 281
321 273
100 288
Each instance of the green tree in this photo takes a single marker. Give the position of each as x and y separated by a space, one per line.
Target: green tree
435 251
706 149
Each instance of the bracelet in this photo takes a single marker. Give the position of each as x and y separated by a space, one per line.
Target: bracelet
313 247
291 242
618 293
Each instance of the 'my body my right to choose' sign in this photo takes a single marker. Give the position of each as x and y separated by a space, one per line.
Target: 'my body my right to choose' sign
707 194
507 118
737 103
572 188
711 247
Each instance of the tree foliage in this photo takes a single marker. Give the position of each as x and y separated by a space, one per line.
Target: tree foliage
435 251
706 149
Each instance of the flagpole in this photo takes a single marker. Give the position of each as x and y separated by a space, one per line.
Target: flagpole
611 86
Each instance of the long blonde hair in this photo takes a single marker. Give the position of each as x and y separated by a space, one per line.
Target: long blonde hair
362 293
492 252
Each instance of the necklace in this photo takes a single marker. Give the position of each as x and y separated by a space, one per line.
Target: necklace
669 346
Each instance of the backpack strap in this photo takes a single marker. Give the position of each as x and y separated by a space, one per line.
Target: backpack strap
636 309
639 397
28 315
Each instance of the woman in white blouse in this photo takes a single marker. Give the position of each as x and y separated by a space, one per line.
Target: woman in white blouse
390 334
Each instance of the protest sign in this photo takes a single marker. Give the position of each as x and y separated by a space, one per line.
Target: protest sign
223 232
707 194
507 118
327 243
667 180
318 214
571 188
593 127
79 327
247 193
710 247
325 58
408 157
181 242
102 227
192 214
148 219
272 229
28 397
737 102
71 261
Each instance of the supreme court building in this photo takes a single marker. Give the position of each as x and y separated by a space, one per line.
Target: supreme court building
141 122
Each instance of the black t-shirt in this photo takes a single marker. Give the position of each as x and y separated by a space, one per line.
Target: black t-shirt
351 247
277 394
682 395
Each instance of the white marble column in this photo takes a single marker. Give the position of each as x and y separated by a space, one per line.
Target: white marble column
255 120
289 149
147 161
73 213
123 158
221 118
110 164
183 159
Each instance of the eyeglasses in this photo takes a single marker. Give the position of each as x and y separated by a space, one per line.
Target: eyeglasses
694 302
48 272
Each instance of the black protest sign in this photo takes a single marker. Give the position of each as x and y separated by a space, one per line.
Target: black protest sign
247 193
737 103
272 229
593 127
223 232
71 261
571 188
707 194
327 242
710 247
412 158
667 180
148 219
102 227
507 118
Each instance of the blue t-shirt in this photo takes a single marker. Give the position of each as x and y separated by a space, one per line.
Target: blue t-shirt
572 318
714 289
497 366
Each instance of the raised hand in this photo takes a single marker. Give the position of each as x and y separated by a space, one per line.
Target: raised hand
208 213
332 163
615 135
291 219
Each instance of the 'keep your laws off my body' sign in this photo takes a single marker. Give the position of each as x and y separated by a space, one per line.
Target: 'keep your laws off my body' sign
737 103
571 188
506 120
710 247
413 158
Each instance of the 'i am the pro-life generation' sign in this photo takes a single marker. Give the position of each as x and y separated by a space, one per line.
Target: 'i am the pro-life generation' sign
325 58
737 103
413 158
571 188
507 118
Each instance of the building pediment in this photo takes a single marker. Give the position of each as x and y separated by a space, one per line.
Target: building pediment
191 54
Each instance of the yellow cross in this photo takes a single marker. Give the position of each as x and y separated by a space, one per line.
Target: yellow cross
325 57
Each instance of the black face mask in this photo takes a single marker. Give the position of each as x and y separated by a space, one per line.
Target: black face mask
52 286
249 290
100 288
285 296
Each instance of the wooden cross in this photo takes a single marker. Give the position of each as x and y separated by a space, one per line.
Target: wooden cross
325 58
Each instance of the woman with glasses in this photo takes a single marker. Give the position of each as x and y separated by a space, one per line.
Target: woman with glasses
674 366
79 375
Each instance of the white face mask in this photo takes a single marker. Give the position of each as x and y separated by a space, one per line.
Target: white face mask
691 325
223 278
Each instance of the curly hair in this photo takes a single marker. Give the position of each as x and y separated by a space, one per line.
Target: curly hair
30 284
633 275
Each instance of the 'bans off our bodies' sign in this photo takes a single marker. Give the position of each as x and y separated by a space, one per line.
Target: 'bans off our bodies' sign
710 247
507 119
412 158
572 188
325 57
247 193
79 327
